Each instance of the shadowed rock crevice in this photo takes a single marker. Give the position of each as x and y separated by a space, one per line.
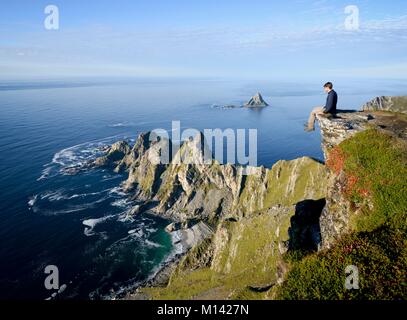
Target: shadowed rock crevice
304 232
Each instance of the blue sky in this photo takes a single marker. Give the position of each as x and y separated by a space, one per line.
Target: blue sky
204 38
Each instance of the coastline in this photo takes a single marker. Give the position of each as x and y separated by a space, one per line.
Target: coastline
183 239
158 278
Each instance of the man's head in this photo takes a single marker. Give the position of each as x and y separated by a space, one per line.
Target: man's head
328 86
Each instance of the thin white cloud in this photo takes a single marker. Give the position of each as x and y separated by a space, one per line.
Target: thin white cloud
382 71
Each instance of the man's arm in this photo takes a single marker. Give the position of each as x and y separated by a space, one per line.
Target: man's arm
329 103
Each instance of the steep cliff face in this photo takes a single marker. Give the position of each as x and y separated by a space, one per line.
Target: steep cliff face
334 221
363 223
342 127
336 217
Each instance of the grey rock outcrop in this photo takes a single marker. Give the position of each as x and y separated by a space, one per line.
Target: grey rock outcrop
191 186
342 127
256 101
394 104
185 239
114 154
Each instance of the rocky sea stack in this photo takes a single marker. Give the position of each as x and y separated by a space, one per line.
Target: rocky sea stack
256 101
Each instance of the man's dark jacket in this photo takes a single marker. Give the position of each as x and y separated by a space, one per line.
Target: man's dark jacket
331 102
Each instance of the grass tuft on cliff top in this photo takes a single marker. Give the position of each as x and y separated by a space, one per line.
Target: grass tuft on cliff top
381 260
374 164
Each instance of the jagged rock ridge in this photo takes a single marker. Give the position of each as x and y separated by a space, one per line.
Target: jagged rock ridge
190 186
256 101
383 103
215 195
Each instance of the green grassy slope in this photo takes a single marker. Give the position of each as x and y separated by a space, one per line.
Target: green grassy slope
375 165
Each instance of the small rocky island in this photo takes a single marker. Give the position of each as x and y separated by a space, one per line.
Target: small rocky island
256 101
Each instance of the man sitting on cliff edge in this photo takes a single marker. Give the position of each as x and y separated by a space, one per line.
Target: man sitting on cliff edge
330 107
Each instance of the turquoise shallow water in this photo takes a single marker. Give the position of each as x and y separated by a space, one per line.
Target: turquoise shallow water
77 222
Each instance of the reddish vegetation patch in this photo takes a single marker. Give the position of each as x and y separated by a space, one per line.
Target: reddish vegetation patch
354 188
364 192
351 183
336 160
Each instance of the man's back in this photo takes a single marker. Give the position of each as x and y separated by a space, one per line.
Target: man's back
331 102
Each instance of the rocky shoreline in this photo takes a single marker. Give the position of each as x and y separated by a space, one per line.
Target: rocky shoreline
183 239
159 279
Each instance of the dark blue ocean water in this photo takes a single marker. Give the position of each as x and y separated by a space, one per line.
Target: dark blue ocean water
78 222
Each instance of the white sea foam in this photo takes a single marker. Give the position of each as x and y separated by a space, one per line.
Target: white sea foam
65 157
45 174
77 155
91 223
118 191
121 203
153 244
122 124
88 232
55 195
72 209
176 237
83 195
62 288
136 233
60 194
32 200
128 216
69 209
